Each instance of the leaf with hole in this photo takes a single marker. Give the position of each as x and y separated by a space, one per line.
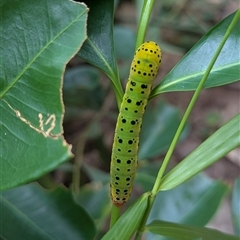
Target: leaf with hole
35 54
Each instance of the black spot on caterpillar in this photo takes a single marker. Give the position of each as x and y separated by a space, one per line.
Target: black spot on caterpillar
144 69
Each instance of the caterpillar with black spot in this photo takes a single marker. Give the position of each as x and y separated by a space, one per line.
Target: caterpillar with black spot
124 159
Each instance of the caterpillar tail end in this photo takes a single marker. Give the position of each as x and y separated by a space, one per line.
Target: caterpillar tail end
118 202
120 196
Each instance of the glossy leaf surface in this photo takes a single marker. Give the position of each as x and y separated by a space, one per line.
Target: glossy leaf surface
186 75
193 202
30 212
184 232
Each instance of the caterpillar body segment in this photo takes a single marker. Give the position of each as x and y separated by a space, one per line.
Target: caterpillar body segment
144 69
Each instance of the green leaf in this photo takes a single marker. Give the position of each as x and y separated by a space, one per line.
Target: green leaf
36 43
159 126
200 199
98 49
216 146
30 212
235 206
95 198
206 205
184 232
186 75
128 223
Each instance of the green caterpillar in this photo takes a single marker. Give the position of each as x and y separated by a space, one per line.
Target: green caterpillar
124 160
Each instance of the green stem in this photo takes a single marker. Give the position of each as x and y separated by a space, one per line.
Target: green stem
181 126
144 19
114 215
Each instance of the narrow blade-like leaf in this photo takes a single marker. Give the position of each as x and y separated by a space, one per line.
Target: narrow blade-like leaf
216 146
184 232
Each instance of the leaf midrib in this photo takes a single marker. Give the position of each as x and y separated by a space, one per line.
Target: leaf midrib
24 216
197 75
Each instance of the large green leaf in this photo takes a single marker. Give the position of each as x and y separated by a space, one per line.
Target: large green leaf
186 75
236 207
193 202
30 212
216 146
98 49
184 232
37 40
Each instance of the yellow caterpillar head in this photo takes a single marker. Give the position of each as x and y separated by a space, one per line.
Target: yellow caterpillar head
146 62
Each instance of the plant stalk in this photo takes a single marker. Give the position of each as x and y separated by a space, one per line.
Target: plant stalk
114 215
144 19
